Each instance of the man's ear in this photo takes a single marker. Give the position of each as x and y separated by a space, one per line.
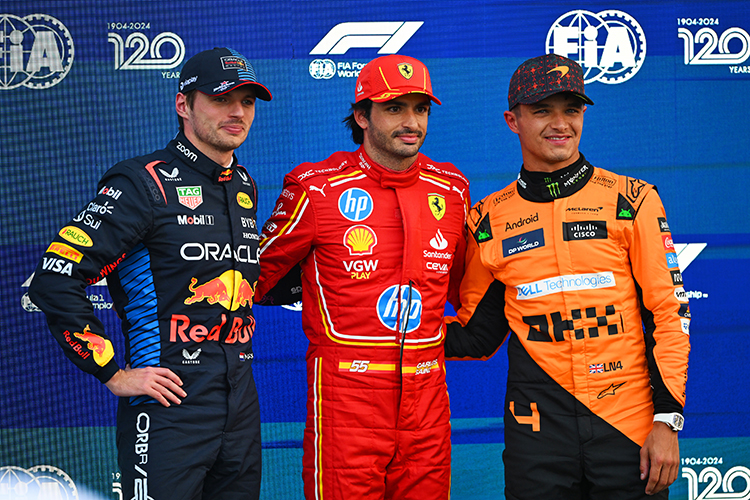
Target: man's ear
512 120
181 105
359 117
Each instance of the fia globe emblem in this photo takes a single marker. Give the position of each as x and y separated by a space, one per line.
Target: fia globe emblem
36 51
609 45
322 69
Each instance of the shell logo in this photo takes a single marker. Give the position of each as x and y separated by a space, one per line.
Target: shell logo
360 240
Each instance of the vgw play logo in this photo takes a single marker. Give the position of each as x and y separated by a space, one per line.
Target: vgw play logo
610 45
36 51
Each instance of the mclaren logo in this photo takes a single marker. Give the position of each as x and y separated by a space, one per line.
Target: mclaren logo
562 69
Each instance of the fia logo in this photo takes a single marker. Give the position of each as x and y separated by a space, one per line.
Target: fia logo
143 47
610 45
36 51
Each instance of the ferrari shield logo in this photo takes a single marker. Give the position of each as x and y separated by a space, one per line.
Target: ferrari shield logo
437 205
406 70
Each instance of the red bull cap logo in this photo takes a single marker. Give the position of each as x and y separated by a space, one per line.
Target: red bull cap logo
231 290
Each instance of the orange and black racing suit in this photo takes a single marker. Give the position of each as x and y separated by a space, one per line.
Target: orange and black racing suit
380 252
578 267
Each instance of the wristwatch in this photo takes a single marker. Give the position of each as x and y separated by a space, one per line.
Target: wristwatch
675 421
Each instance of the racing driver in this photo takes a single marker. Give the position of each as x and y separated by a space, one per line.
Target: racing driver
174 234
579 264
379 234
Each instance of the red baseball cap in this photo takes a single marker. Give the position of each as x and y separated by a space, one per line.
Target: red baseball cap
388 77
543 76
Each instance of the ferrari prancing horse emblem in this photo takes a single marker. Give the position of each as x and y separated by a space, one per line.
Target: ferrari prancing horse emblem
406 70
437 205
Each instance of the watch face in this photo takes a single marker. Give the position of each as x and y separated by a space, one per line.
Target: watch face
677 421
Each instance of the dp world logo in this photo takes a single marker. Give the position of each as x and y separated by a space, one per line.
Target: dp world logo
36 51
610 45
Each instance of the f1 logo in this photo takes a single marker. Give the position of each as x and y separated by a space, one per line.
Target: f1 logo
389 36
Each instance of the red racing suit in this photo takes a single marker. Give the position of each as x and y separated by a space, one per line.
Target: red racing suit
575 266
380 252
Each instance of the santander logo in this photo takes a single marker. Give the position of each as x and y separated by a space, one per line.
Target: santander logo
438 242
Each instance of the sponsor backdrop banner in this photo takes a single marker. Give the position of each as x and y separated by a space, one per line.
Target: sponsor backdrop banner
85 84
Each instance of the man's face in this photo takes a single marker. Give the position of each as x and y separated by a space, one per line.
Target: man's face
549 131
218 125
396 130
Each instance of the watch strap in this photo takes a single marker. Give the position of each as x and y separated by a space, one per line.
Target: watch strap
675 421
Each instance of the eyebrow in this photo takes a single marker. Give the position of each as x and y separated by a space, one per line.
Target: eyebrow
396 102
573 101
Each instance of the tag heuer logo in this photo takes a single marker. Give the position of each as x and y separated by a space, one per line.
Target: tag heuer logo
190 196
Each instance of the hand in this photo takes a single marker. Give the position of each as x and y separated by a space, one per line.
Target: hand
660 458
162 384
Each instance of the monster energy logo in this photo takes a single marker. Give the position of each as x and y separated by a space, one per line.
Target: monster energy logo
554 189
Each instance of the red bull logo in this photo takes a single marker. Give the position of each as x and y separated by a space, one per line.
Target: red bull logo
225 175
101 347
183 330
231 290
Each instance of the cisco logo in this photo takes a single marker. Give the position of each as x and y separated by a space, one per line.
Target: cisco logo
36 51
610 45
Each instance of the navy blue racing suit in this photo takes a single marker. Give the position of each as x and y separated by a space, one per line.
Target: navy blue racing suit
175 236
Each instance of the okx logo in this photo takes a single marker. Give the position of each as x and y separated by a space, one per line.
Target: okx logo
36 51
610 45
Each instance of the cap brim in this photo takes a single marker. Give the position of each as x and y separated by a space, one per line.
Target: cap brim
393 94
533 99
261 92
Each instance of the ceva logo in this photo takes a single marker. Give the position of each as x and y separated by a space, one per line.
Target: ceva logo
388 36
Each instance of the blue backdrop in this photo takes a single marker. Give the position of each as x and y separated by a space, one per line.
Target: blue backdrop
84 84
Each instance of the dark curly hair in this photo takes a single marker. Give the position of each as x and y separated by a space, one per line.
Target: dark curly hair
358 134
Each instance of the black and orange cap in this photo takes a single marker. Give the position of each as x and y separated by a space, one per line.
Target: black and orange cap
543 76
